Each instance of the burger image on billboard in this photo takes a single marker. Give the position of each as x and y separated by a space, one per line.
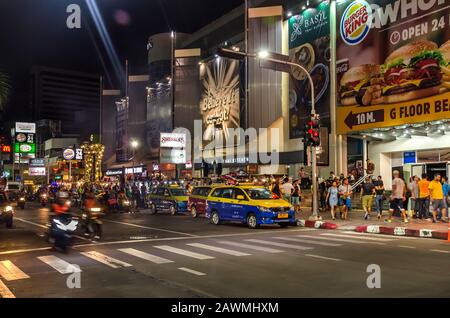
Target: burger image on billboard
413 71
445 66
361 85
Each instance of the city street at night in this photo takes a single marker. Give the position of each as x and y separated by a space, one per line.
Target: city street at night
144 255
205 158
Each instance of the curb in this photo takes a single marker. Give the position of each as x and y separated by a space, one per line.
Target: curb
376 229
402 231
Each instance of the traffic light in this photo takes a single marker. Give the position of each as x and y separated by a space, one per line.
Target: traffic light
312 132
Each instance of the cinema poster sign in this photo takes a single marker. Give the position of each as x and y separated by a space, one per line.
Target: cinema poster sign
220 98
393 63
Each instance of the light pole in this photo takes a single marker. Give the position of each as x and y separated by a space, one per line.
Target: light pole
134 145
265 55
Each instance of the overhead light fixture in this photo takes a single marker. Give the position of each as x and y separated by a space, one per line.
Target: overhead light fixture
263 54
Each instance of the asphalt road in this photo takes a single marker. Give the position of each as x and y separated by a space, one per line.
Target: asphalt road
143 255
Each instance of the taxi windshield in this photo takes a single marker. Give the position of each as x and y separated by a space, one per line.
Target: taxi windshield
259 194
178 192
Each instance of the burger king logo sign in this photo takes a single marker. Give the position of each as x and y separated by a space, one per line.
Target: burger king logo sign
355 23
68 154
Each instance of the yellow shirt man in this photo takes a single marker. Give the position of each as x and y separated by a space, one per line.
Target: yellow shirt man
436 192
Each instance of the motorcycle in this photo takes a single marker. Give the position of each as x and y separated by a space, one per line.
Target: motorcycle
44 199
60 231
21 202
124 205
91 223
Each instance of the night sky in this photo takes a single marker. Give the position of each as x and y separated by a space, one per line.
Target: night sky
34 32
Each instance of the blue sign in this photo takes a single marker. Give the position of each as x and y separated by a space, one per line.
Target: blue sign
409 157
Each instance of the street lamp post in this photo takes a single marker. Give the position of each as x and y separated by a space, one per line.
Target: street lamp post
264 55
134 145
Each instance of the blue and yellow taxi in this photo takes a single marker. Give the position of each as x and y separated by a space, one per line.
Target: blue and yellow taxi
251 205
171 198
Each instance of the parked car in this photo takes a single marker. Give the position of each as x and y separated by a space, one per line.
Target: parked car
249 205
6 211
13 190
197 200
171 198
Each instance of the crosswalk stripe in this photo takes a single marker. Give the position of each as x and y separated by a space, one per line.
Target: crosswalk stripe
306 241
297 247
441 251
59 265
104 259
146 256
191 271
323 257
184 252
252 247
337 239
218 249
358 237
5 292
9 271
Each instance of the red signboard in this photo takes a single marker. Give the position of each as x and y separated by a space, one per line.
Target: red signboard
6 148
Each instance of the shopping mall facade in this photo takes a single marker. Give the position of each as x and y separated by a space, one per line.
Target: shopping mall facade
381 79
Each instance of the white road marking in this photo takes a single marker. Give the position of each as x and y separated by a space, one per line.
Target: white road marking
26 250
323 257
359 237
291 239
218 249
394 237
148 257
9 271
60 265
296 247
337 239
191 271
150 228
406 246
104 259
441 251
5 292
184 252
252 247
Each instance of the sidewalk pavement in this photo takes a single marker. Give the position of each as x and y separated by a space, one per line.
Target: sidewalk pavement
356 222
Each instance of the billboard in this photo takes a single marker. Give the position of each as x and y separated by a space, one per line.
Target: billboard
174 156
309 46
36 171
393 63
220 98
26 128
168 140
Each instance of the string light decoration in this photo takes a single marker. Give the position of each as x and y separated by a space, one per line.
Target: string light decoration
93 156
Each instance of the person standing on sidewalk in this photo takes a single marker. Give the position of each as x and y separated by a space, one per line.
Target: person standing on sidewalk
287 188
332 198
345 198
379 196
414 199
296 196
437 198
367 194
446 190
397 197
424 197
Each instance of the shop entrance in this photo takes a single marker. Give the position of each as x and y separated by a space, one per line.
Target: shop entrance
443 168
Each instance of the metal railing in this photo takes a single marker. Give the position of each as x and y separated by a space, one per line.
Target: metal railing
360 181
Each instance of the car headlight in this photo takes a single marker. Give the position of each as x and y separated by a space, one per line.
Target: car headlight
96 210
263 209
9 209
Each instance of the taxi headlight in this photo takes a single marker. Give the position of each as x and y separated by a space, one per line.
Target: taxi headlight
264 209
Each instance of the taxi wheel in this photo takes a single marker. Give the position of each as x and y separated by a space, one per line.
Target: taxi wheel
251 221
194 212
172 210
215 219
153 209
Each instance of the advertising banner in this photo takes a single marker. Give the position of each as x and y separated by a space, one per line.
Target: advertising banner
174 156
36 171
309 46
168 140
26 128
393 63
220 98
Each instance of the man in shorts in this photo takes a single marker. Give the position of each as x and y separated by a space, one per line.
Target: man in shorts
367 195
437 197
397 197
